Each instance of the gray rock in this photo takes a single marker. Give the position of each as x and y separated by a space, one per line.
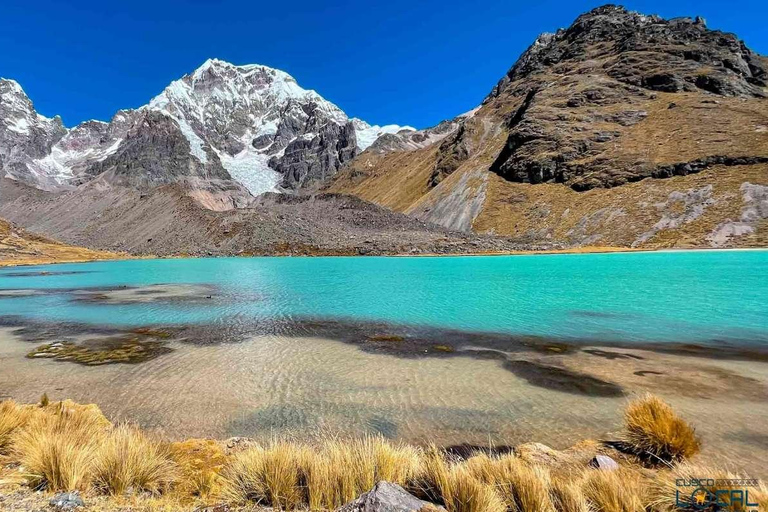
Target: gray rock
604 463
386 497
311 159
67 501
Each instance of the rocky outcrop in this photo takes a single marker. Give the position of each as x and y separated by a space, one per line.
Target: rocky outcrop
603 65
387 497
453 151
313 159
675 55
26 138
155 152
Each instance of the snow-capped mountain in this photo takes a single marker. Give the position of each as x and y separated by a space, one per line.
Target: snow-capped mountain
251 124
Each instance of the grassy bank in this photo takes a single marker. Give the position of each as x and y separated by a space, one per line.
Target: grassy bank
19 247
66 446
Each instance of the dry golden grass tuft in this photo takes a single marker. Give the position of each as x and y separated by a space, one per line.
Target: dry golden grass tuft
128 459
567 495
66 446
653 430
267 476
12 416
200 463
522 486
340 470
57 445
457 486
467 494
622 490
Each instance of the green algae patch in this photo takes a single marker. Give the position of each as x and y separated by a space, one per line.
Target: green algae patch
443 348
128 349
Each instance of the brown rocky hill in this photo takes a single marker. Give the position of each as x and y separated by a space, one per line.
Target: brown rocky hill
624 129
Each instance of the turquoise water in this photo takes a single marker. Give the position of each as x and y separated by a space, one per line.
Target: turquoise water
695 296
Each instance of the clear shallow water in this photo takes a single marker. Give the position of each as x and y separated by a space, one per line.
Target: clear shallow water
707 296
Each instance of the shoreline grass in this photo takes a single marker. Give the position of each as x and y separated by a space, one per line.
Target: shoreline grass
65 446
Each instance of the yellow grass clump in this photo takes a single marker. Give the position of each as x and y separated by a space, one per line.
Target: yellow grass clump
66 446
456 486
621 490
128 459
268 476
567 495
523 487
56 446
326 476
200 463
12 416
653 431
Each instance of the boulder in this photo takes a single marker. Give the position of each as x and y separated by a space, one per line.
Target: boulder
67 501
387 497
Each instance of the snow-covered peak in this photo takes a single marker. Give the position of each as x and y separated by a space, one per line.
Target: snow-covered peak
367 134
8 86
257 122
17 112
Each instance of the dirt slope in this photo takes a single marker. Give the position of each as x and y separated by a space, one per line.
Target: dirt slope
167 221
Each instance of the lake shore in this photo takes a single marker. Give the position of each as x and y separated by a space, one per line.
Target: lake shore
65 446
62 254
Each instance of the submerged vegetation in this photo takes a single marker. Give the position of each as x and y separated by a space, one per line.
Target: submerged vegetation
63 446
130 349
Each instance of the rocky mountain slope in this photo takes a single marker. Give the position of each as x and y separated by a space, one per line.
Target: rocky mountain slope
623 129
167 221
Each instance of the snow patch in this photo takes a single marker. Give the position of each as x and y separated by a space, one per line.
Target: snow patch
20 125
252 170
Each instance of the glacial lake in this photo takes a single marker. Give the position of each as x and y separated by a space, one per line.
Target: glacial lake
497 349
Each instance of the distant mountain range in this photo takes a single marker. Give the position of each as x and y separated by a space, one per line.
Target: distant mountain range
252 125
622 130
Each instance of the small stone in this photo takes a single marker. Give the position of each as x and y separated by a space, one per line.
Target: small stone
604 463
221 507
67 501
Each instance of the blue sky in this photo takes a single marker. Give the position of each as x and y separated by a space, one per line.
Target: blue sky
410 62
